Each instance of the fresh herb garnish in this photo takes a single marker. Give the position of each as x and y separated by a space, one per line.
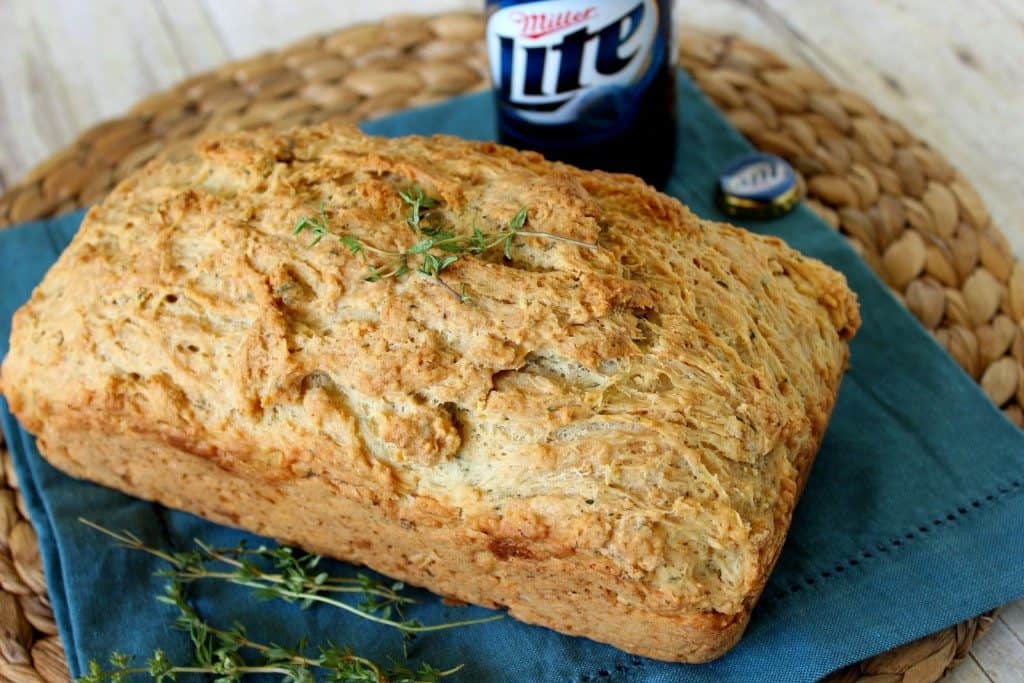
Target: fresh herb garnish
272 573
419 205
294 578
230 654
316 225
436 250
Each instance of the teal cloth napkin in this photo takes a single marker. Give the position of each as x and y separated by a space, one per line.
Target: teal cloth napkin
911 520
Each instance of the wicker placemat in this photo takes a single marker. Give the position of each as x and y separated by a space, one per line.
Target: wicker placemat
913 218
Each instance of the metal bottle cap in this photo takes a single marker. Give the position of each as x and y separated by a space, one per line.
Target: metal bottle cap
758 186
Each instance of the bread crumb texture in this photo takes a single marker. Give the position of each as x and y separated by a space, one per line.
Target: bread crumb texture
640 416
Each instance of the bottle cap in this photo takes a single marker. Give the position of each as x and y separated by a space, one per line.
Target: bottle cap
758 186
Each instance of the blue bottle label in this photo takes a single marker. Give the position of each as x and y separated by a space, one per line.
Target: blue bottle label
556 62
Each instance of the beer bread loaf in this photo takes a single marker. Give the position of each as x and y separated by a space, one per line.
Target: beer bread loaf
602 425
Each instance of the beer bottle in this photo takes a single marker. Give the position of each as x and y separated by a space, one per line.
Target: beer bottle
586 82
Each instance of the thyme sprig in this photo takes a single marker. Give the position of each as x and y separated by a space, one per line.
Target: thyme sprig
419 205
438 247
295 578
230 654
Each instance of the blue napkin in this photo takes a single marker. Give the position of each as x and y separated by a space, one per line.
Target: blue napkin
911 520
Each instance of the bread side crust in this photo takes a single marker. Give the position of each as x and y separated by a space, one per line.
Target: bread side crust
455 562
551 592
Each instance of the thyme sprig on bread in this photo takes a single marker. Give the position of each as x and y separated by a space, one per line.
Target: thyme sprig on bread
439 246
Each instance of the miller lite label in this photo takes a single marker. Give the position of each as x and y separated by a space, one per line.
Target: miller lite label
573 74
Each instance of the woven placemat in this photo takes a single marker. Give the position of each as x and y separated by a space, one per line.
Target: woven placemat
911 216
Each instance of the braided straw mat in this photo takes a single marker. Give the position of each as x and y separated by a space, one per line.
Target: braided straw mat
907 212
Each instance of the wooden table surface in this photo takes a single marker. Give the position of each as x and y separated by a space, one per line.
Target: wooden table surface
951 71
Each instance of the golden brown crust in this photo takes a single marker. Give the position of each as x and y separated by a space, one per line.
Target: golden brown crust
621 430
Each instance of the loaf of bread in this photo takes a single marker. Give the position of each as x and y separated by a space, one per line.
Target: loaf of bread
598 416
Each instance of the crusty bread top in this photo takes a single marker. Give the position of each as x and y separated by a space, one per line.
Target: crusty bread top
641 406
